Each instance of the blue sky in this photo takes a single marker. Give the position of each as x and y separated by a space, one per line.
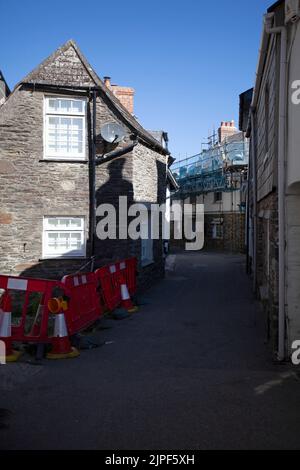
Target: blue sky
188 60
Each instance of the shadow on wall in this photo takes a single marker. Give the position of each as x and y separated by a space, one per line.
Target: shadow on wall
109 193
106 251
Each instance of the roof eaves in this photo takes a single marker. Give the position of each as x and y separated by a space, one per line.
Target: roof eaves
275 5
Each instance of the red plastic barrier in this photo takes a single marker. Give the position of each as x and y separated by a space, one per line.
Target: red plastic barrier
111 278
128 271
26 293
84 303
131 272
85 296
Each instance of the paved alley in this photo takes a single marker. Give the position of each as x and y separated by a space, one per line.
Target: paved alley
191 370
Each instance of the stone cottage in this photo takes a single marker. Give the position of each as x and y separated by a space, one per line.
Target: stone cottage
274 181
56 169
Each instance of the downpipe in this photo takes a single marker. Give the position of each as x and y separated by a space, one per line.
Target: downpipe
254 175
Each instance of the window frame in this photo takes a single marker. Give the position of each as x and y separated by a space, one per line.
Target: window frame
215 234
218 201
46 230
65 156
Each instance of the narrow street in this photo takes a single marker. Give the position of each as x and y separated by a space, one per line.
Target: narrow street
191 370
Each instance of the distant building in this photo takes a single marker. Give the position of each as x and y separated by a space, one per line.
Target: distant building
226 130
217 178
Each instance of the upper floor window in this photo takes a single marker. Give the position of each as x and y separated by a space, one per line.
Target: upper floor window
218 197
65 128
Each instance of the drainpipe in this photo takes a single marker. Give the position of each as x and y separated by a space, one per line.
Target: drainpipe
254 176
281 177
93 178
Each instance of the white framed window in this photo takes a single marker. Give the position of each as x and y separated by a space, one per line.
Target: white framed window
147 243
64 128
218 232
64 237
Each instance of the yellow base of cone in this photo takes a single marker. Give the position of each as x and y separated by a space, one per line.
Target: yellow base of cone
14 356
133 310
70 355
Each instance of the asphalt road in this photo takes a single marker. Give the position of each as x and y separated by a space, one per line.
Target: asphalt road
190 371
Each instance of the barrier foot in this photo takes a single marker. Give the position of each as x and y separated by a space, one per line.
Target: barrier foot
133 310
14 356
70 355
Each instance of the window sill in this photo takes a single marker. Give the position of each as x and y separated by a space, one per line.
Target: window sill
64 160
146 263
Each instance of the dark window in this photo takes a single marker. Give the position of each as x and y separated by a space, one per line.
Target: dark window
218 197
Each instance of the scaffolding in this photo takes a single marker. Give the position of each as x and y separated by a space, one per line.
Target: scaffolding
222 167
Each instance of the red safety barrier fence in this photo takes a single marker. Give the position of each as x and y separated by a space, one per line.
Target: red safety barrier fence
113 276
85 305
128 271
30 313
46 311
109 280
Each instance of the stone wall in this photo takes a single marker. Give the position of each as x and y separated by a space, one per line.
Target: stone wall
233 233
265 146
233 240
267 262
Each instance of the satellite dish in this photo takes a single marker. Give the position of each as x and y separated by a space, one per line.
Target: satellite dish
113 133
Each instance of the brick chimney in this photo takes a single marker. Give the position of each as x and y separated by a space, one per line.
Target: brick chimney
227 129
124 94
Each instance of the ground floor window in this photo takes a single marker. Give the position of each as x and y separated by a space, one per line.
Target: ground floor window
63 237
218 232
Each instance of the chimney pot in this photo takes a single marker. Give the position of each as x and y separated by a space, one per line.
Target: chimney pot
107 81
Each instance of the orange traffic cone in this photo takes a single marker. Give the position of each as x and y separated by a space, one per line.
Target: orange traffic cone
61 346
5 328
126 300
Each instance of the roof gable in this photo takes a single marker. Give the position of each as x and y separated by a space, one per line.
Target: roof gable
64 67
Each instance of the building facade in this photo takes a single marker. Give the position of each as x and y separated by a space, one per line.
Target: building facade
274 189
217 178
56 170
